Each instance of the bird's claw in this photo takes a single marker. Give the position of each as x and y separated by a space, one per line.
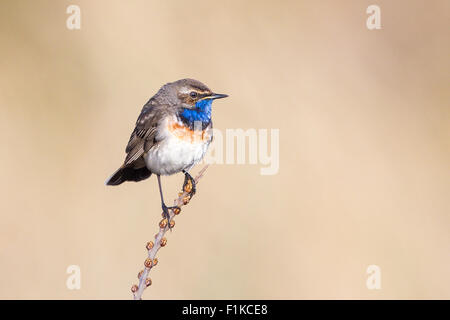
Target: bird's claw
166 213
189 184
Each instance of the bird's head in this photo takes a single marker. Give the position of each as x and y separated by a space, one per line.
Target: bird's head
190 94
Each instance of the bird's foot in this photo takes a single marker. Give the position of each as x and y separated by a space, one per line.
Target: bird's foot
166 214
189 184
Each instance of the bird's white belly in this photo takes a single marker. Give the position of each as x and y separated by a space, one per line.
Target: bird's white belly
179 149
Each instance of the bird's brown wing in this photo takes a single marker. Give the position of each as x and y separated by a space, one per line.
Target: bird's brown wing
143 136
142 139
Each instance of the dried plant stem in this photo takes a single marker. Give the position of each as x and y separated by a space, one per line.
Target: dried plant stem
160 241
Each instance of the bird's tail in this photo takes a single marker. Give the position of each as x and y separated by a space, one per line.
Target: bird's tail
127 173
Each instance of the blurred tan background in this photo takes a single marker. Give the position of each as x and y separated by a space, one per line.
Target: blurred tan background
364 121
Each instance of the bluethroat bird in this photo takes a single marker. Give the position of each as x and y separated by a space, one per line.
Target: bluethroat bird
172 134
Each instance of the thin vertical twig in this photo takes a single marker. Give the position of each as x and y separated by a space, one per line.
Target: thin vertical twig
160 241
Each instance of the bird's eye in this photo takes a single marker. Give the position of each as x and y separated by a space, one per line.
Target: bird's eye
193 94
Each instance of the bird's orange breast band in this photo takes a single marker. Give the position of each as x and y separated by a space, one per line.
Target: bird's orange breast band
184 133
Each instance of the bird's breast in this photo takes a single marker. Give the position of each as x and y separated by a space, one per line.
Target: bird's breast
179 147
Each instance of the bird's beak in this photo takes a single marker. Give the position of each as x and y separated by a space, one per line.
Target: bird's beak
217 96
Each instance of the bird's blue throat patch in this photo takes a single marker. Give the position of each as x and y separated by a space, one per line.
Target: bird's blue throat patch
201 113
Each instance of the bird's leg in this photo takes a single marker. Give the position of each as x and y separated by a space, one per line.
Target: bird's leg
189 184
165 208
